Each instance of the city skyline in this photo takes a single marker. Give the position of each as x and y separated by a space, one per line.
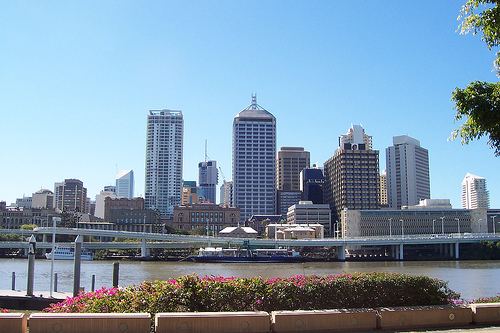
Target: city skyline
76 107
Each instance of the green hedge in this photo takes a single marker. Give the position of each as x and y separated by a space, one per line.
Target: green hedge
192 293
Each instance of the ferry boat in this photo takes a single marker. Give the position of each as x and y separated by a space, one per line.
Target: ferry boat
68 253
218 254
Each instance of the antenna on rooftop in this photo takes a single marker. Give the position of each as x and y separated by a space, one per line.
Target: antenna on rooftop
206 155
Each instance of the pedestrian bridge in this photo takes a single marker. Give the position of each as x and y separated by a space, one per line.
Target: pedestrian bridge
147 241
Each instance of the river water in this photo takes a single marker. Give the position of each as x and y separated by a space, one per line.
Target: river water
472 279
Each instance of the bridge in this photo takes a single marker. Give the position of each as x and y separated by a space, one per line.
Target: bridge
449 242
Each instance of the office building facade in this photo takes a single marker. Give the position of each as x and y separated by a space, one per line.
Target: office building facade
125 184
208 178
254 161
70 195
189 192
407 166
352 174
474 192
290 161
311 185
164 153
226 194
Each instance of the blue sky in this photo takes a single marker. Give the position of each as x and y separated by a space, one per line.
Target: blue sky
77 79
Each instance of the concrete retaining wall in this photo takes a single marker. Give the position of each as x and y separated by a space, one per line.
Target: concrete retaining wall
485 313
89 322
212 322
13 323
324 320
424 316
257 322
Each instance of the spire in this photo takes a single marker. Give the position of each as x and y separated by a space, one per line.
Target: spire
254 105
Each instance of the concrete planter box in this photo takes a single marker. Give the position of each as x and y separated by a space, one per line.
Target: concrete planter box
90 322
424 316
485 313
208 322
13 323
324 320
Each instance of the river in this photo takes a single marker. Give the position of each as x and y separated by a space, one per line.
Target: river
472 279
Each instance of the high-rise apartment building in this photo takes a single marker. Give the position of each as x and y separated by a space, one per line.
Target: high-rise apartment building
254 164
208 180
70 195
164 148
474 192
407 172
125 184
290 161
352 174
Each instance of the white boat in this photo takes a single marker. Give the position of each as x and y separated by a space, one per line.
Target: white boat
68 253
218 254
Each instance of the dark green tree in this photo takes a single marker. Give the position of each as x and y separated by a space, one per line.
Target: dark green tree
479 103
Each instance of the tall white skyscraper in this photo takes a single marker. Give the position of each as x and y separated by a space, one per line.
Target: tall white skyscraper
164 147
125 183
408 178
208 179
254 156
474 193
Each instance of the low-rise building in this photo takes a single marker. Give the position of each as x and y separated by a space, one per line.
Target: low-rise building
208 215
238 232
306 212
295 231
362 223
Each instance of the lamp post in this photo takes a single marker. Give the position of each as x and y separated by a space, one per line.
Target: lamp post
458 224
433 226
442 225
402 229
390 227
494 230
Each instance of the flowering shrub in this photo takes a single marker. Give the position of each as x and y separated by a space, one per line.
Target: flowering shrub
192 293
494 299
3 310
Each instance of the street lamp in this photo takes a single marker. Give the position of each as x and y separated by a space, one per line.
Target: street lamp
442 225
458 224
390 227
402 229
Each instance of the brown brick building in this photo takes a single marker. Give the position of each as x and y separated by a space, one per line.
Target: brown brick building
215 217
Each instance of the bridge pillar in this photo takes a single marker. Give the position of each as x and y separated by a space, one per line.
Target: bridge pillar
457 253
401 252
144 250
341 251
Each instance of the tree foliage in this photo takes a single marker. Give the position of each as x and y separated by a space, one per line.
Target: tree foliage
478 104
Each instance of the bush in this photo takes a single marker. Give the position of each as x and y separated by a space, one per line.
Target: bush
192 293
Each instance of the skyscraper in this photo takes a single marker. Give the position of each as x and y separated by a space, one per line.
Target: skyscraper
290 161
70 195
254 164
474 193
125 183
164 147
352 174
407 172
208 179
